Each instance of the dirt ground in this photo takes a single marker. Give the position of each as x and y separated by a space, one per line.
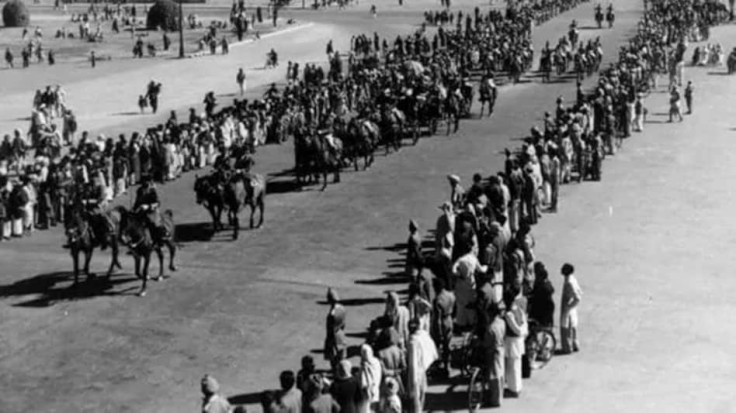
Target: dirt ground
649 243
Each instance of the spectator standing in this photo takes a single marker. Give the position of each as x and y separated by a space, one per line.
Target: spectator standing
689 97
335 346
370 379
516 332
5 219
315 399
345 389
399 317
290 398
240 79
442 321
212 401
571 295
493 342
421 353
414 257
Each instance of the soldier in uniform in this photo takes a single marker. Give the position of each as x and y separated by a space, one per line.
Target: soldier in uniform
92 198
147 205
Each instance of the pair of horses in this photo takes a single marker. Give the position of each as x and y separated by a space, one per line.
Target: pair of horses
117 227
231 191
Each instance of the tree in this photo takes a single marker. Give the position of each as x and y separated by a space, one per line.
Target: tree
15 14
163 14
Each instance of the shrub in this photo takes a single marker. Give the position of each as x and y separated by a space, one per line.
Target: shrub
163 14
15 14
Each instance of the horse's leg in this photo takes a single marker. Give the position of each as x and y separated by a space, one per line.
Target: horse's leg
337 173
87 259
172 254
137 264
146 263
160 254
143 276
324 176
75 260
116 253
252 212
236 224
262 207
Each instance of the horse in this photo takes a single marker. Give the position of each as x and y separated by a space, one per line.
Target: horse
81 238
453 110
209 193
391 122
136 233
244 189
488 94
545 65
360 137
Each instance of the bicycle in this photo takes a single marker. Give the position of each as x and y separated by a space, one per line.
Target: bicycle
540 343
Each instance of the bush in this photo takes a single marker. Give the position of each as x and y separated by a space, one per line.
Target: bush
163 14
15 14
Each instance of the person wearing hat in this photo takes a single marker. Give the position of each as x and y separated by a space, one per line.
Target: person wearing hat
147 203
457 192
212 400
335 346
571 295
346 389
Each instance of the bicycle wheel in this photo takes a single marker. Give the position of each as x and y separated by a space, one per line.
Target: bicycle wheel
466 359
476 390
546 344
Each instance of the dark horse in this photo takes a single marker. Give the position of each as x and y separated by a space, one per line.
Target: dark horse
315 156
82 238
210 193
136 233
244 189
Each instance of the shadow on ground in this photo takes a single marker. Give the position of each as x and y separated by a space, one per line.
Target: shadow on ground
46 293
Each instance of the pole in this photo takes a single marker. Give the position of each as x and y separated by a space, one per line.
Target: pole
181 31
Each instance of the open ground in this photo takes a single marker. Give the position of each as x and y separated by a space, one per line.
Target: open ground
650 243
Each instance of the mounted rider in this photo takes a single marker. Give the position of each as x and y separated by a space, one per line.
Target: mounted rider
147 205
93 200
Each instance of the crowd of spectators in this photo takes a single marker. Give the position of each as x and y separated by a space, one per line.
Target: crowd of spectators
483 277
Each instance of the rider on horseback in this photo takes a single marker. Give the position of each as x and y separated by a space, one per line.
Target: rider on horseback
147 205
92 199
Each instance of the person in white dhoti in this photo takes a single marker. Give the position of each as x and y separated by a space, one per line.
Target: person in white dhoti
571 295
421 353
516 331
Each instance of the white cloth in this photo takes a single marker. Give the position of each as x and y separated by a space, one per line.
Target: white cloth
464 269
370 373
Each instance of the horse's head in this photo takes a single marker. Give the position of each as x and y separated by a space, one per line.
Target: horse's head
133 230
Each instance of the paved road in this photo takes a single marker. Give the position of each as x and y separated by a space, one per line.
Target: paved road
649 244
